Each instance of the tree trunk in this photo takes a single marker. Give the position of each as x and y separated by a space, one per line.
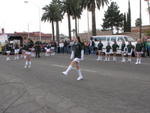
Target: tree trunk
112 29
93 22
117 29
53 31
76 28
69 27
57 31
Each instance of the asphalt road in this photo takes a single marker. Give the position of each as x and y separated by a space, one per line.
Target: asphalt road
108 87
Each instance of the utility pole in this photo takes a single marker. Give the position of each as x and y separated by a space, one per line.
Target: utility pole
148 9
27 2
88 28
140 27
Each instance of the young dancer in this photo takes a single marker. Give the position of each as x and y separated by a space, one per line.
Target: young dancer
48 49
100 48
123 51
28 48
114 49
8 51
16 50
107 55
77 48
129 51
138 50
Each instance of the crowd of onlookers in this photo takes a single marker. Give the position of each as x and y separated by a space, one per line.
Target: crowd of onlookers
66 47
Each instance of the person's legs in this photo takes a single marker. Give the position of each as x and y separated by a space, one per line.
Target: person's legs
68 68
140 58
106 57
137 58
8 54
80 76
38 54
29 61
114 56
129 58
26 61
101 55
98 55
123 57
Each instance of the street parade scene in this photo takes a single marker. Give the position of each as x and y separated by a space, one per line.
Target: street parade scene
83 56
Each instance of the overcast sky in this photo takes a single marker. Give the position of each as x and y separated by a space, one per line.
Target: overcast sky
15 15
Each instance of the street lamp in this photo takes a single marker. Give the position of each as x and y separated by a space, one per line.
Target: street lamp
26 2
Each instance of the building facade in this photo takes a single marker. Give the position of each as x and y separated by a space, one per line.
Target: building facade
35 36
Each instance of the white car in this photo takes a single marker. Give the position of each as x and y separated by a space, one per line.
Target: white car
111 38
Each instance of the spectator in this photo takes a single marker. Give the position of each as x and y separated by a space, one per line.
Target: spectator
148 47
115 46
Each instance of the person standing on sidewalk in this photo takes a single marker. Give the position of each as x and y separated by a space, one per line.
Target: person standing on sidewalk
37 49
107 54
129 51
123 51
100 50
16 51
115 46
138 49
8 49
77 56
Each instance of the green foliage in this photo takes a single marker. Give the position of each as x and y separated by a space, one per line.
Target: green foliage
53 11
112 18
129 18
147 33
138 22
91 5
125 23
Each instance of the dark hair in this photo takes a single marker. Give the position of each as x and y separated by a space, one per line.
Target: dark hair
78 38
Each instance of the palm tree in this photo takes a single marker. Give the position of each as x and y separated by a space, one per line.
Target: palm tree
68 9
58 14
92 5
49 16
76 11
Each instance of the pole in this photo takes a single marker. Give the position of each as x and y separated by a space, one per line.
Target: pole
88 23
39 19
148 10
28 32
40 26
140 33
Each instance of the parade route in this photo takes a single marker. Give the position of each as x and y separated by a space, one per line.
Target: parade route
108 87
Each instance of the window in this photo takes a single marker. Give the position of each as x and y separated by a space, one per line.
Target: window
102 38
120 39
113 38
130 39
108 38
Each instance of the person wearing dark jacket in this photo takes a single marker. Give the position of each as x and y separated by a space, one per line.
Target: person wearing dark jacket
37 48
100 50
77 56
138 49
115 46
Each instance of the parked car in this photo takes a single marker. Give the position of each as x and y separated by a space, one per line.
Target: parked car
111 38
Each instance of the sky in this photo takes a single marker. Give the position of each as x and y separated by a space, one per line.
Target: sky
18 16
